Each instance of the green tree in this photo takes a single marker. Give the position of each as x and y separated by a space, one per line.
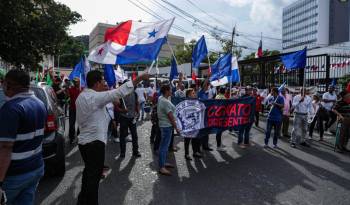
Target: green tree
226 45
72 49
265 53
32 29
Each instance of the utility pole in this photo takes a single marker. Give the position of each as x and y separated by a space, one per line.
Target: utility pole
232 42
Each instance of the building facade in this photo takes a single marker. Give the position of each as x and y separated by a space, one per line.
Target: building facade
315 24
96 38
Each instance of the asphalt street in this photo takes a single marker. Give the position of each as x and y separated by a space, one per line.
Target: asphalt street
310 176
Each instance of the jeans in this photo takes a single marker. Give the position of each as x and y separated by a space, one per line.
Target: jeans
20 189
299 128
244 130
142 109
125 124
285 125
166 133
269 126
72 118
93 155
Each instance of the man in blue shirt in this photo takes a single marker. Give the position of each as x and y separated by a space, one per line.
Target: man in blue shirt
274 118
22 120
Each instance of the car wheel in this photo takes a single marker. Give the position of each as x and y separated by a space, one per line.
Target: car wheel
59 168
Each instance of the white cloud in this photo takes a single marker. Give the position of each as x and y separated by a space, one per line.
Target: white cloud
239 3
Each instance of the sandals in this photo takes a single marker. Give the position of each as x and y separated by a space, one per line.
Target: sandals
165 172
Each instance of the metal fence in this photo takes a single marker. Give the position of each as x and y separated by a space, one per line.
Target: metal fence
321 71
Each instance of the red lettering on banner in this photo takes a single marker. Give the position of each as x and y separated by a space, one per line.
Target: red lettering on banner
211 111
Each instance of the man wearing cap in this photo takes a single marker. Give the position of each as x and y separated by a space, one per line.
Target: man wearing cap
73 93
328 100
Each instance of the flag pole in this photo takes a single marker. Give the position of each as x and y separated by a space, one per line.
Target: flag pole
151 67
173 54
209 68
232 38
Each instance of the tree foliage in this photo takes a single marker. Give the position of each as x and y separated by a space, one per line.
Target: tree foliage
265 53
32 29
72 49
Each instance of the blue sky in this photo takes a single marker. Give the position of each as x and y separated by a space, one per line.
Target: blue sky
250 16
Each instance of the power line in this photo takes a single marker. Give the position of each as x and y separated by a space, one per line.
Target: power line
156 16
209 15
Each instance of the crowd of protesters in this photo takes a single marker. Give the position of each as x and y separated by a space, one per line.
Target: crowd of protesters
98 108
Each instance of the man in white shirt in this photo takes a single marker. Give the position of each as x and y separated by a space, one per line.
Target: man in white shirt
150 91
302 105
141 96
93 119
328 100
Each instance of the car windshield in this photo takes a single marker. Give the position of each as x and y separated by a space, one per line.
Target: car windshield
38 92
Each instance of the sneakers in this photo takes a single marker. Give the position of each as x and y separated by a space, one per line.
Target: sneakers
275 146
128 139
266 146
116 140
221 148
293 145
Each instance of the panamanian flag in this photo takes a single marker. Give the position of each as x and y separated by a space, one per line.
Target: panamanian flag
132 42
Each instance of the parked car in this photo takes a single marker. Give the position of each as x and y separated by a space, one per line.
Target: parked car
53 143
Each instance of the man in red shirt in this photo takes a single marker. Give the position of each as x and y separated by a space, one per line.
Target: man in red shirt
258 106
73 93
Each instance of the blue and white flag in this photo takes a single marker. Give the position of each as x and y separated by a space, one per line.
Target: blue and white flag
173 71
79 72
225 70
109 75
200 51
295 60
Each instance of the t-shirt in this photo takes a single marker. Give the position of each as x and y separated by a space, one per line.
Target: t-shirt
275 113
150 92
22 120
73 95
203 95
163 108
141 94
328 96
